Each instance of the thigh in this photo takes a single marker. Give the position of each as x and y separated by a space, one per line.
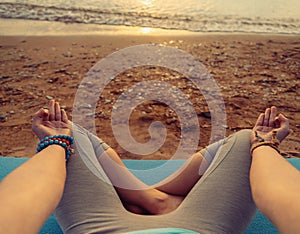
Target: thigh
221 201
89 201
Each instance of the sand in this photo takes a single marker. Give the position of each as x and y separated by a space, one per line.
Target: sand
252 71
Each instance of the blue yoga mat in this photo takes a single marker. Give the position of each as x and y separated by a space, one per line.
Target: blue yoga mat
259 225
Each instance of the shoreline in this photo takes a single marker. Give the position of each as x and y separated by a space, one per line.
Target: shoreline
22 27
252 71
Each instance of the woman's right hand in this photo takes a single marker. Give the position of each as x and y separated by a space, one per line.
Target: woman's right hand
51 122
269 122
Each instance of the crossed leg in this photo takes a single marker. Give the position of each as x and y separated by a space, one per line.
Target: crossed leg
91 204
138 197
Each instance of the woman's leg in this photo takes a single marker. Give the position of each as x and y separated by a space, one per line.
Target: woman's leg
136 196
89 202
183 180
178 184
221 201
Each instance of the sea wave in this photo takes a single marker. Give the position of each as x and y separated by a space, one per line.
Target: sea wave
197 23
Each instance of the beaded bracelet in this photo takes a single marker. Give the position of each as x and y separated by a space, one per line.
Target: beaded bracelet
274 143
62 140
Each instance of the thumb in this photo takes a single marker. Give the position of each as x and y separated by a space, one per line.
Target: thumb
283 127
283 121
38 116
282 117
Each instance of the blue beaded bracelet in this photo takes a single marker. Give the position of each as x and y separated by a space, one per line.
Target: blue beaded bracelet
68 138
62 140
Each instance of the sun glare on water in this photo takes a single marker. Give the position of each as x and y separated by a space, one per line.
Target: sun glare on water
146 30
147 2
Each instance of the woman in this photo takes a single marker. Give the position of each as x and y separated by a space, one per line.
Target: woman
218 201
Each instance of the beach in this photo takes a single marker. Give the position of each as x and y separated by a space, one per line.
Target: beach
253 71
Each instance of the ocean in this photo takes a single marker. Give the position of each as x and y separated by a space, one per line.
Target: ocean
244 16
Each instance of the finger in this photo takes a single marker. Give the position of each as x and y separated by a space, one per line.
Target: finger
51 110
45 115
260 120
57 111
267 117
64 116
273 114
38 116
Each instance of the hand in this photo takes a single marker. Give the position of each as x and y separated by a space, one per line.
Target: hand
268 122
51 122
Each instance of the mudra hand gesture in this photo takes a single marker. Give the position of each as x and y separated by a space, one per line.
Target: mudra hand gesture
51 122
269 123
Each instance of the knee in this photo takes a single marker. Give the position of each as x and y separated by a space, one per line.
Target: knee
244 132
243 137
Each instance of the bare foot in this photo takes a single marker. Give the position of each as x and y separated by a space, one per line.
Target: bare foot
161 203
136 209
154 202
167 204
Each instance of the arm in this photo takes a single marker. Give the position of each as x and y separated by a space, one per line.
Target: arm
31 192
275 187
275 182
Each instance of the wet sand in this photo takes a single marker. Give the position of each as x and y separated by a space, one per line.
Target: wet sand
252 71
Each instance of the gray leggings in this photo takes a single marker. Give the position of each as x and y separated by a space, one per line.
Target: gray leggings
220 202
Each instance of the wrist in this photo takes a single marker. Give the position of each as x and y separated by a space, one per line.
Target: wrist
62 141
256 138
56 148
260 142
42 136
265 150
269 144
